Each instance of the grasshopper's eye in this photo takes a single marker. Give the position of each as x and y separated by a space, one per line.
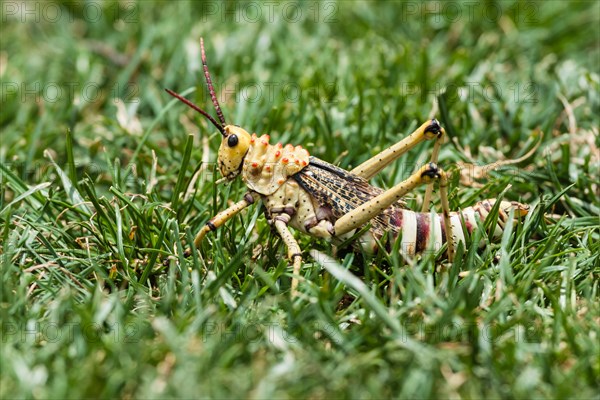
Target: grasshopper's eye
232 140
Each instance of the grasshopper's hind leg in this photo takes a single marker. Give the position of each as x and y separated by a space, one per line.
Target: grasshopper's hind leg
429 130
369 210
434 159
450 239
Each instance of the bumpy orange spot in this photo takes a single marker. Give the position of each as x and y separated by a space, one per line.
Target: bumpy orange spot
280 181
268 168
277 154
279 145
254 165
303 163
285 160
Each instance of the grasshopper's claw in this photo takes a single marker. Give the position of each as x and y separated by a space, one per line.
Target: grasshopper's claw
431 171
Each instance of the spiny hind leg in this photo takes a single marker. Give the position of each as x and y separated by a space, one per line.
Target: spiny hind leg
448 223
426 175
369 210
429 130
434 159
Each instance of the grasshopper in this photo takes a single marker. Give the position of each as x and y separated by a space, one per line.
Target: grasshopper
323 200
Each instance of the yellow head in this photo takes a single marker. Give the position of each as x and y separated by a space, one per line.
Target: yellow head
236 140
232 151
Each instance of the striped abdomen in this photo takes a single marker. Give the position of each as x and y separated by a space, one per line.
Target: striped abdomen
421 232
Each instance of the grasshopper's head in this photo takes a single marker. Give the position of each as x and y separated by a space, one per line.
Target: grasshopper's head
236 140
234 147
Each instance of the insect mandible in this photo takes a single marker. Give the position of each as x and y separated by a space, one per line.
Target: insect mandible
323 200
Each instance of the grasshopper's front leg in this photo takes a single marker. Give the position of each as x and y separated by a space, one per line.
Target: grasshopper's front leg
283 208
426 175
294 252
224 216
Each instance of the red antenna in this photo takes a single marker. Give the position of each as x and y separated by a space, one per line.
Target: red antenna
211 89
201 111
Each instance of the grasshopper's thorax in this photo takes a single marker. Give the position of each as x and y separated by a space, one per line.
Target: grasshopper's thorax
267 167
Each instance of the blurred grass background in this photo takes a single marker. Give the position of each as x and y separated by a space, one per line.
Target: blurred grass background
101 181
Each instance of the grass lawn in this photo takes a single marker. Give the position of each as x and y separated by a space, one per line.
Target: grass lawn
104 176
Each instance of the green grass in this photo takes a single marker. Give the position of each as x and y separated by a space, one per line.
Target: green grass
93 201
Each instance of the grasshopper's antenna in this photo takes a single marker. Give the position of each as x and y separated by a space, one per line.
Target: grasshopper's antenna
211 89
201 111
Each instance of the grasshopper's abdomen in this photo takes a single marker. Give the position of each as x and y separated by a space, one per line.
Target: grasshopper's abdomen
421 232
339 192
